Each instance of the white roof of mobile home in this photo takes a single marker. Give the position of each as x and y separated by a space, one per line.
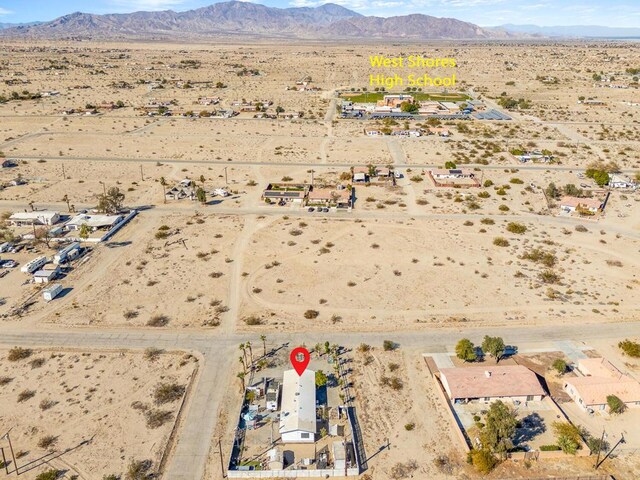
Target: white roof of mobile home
94 221
44 216
298 411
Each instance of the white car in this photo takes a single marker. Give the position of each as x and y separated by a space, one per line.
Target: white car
221 191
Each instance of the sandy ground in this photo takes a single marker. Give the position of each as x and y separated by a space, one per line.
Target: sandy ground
410 257
92 409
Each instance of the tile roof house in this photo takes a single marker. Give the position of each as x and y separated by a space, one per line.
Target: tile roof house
491 383
600 380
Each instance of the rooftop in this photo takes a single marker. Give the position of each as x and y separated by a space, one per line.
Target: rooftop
495 381
298 402
603 379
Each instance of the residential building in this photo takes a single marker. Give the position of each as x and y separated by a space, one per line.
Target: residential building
298 412
51 292
285 193
45 276
600 379
486 384
452 173
340 198
581 205
621 181
38 217
94 222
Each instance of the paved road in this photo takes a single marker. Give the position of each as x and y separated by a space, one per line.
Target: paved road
218 350
559 168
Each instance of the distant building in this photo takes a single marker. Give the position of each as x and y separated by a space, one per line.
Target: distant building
395 101
94 222
486 384
331 197
452 173
285 193
298 412
39 217
572 204
601 379
621 181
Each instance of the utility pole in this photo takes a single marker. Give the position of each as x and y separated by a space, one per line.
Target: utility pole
141 174
611 451
104 189
221 460
595 466
13 456
64 176
4 461
226 181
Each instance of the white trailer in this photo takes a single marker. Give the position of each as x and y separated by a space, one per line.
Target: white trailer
51 292
34 265
69 252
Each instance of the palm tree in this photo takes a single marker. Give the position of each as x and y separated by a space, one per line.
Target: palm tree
264 345
244 366
66 199
248 345
244 351
241 376
163 182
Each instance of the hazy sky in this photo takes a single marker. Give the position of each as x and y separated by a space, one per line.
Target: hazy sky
614 13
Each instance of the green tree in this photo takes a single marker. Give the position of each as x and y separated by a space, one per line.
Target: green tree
465 350
84 232
552 191
560 366
500 428
201 195
321 378
483 460
493 346
409 107
616 405
629 347
449 165
568 436
112 201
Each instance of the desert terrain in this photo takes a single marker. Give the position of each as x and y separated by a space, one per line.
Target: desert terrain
412 262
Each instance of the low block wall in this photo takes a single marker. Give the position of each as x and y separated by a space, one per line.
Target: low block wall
324 473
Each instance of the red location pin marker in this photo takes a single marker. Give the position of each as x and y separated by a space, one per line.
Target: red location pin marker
300 359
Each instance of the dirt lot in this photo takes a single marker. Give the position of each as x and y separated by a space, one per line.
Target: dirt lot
94 412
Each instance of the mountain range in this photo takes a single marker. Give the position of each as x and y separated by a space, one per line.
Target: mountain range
251 19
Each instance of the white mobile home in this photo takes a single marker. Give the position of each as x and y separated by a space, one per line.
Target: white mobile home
34 265
298 412
51 292
45 276
69 252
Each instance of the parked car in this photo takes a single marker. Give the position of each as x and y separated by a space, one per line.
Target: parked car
9 264
325 210
310 209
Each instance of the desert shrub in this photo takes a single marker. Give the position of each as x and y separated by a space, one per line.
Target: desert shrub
549 448
484 194
409 426
487 221
538 255
47 441
152 353
393 367
37 362
389 345
363 348
49 475
5 380
130 314
47 404
516 181
158 320
614 263
156 418
19 353
501 242
560 366
295 232
443 464
404 470
111 477
161 234
483 460
487 183
396 383
311 314
630 348
503 208
167 393
25 395
514 227
568 437
616 405
581 228
138 470
253 320
549 276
